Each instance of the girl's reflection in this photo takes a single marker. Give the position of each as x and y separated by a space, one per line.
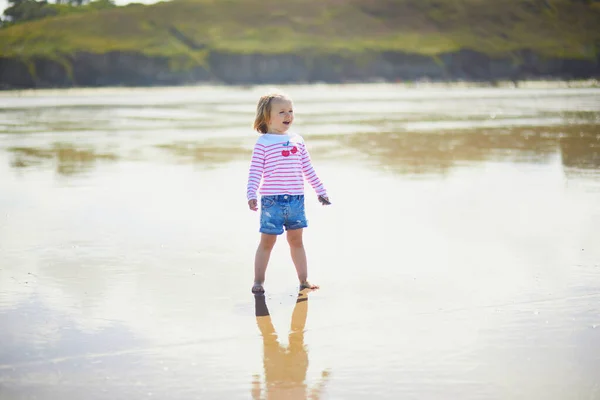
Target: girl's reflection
285 368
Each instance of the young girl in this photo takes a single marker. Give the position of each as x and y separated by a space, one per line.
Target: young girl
281 160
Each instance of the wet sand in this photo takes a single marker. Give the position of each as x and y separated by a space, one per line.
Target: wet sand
459 260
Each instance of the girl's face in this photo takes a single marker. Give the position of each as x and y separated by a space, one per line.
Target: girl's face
282 116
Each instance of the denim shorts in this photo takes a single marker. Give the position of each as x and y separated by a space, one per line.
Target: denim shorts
282 211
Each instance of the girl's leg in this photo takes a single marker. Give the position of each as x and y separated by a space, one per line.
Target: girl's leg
294 238
263 253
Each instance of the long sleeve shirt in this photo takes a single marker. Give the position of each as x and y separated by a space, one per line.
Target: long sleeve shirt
281 162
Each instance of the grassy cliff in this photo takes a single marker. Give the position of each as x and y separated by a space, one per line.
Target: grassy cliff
190 27
187 32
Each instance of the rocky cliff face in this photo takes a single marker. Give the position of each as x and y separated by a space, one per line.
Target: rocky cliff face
136 69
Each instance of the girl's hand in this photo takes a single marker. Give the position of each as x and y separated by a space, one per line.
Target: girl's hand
324 200
253 204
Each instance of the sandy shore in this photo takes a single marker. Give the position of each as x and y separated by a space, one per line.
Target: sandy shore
456 264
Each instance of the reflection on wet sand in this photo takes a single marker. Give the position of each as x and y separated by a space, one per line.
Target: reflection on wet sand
404 152
205 153
69 159
285 368
409 152
41 345
581 151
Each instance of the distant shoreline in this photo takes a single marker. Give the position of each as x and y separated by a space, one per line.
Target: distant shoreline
526 84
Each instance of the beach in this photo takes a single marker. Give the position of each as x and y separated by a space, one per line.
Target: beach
459 258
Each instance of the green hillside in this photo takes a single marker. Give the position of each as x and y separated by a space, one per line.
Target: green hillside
187 30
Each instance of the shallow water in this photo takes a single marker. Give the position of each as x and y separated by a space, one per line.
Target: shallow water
459 260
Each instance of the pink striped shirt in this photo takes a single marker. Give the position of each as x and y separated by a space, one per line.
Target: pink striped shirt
281 162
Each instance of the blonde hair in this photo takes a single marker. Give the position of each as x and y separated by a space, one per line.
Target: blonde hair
263 110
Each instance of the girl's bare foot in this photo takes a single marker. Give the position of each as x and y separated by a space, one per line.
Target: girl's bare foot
308 285
258 288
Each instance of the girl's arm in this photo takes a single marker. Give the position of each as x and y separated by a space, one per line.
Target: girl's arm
257 168
310 174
